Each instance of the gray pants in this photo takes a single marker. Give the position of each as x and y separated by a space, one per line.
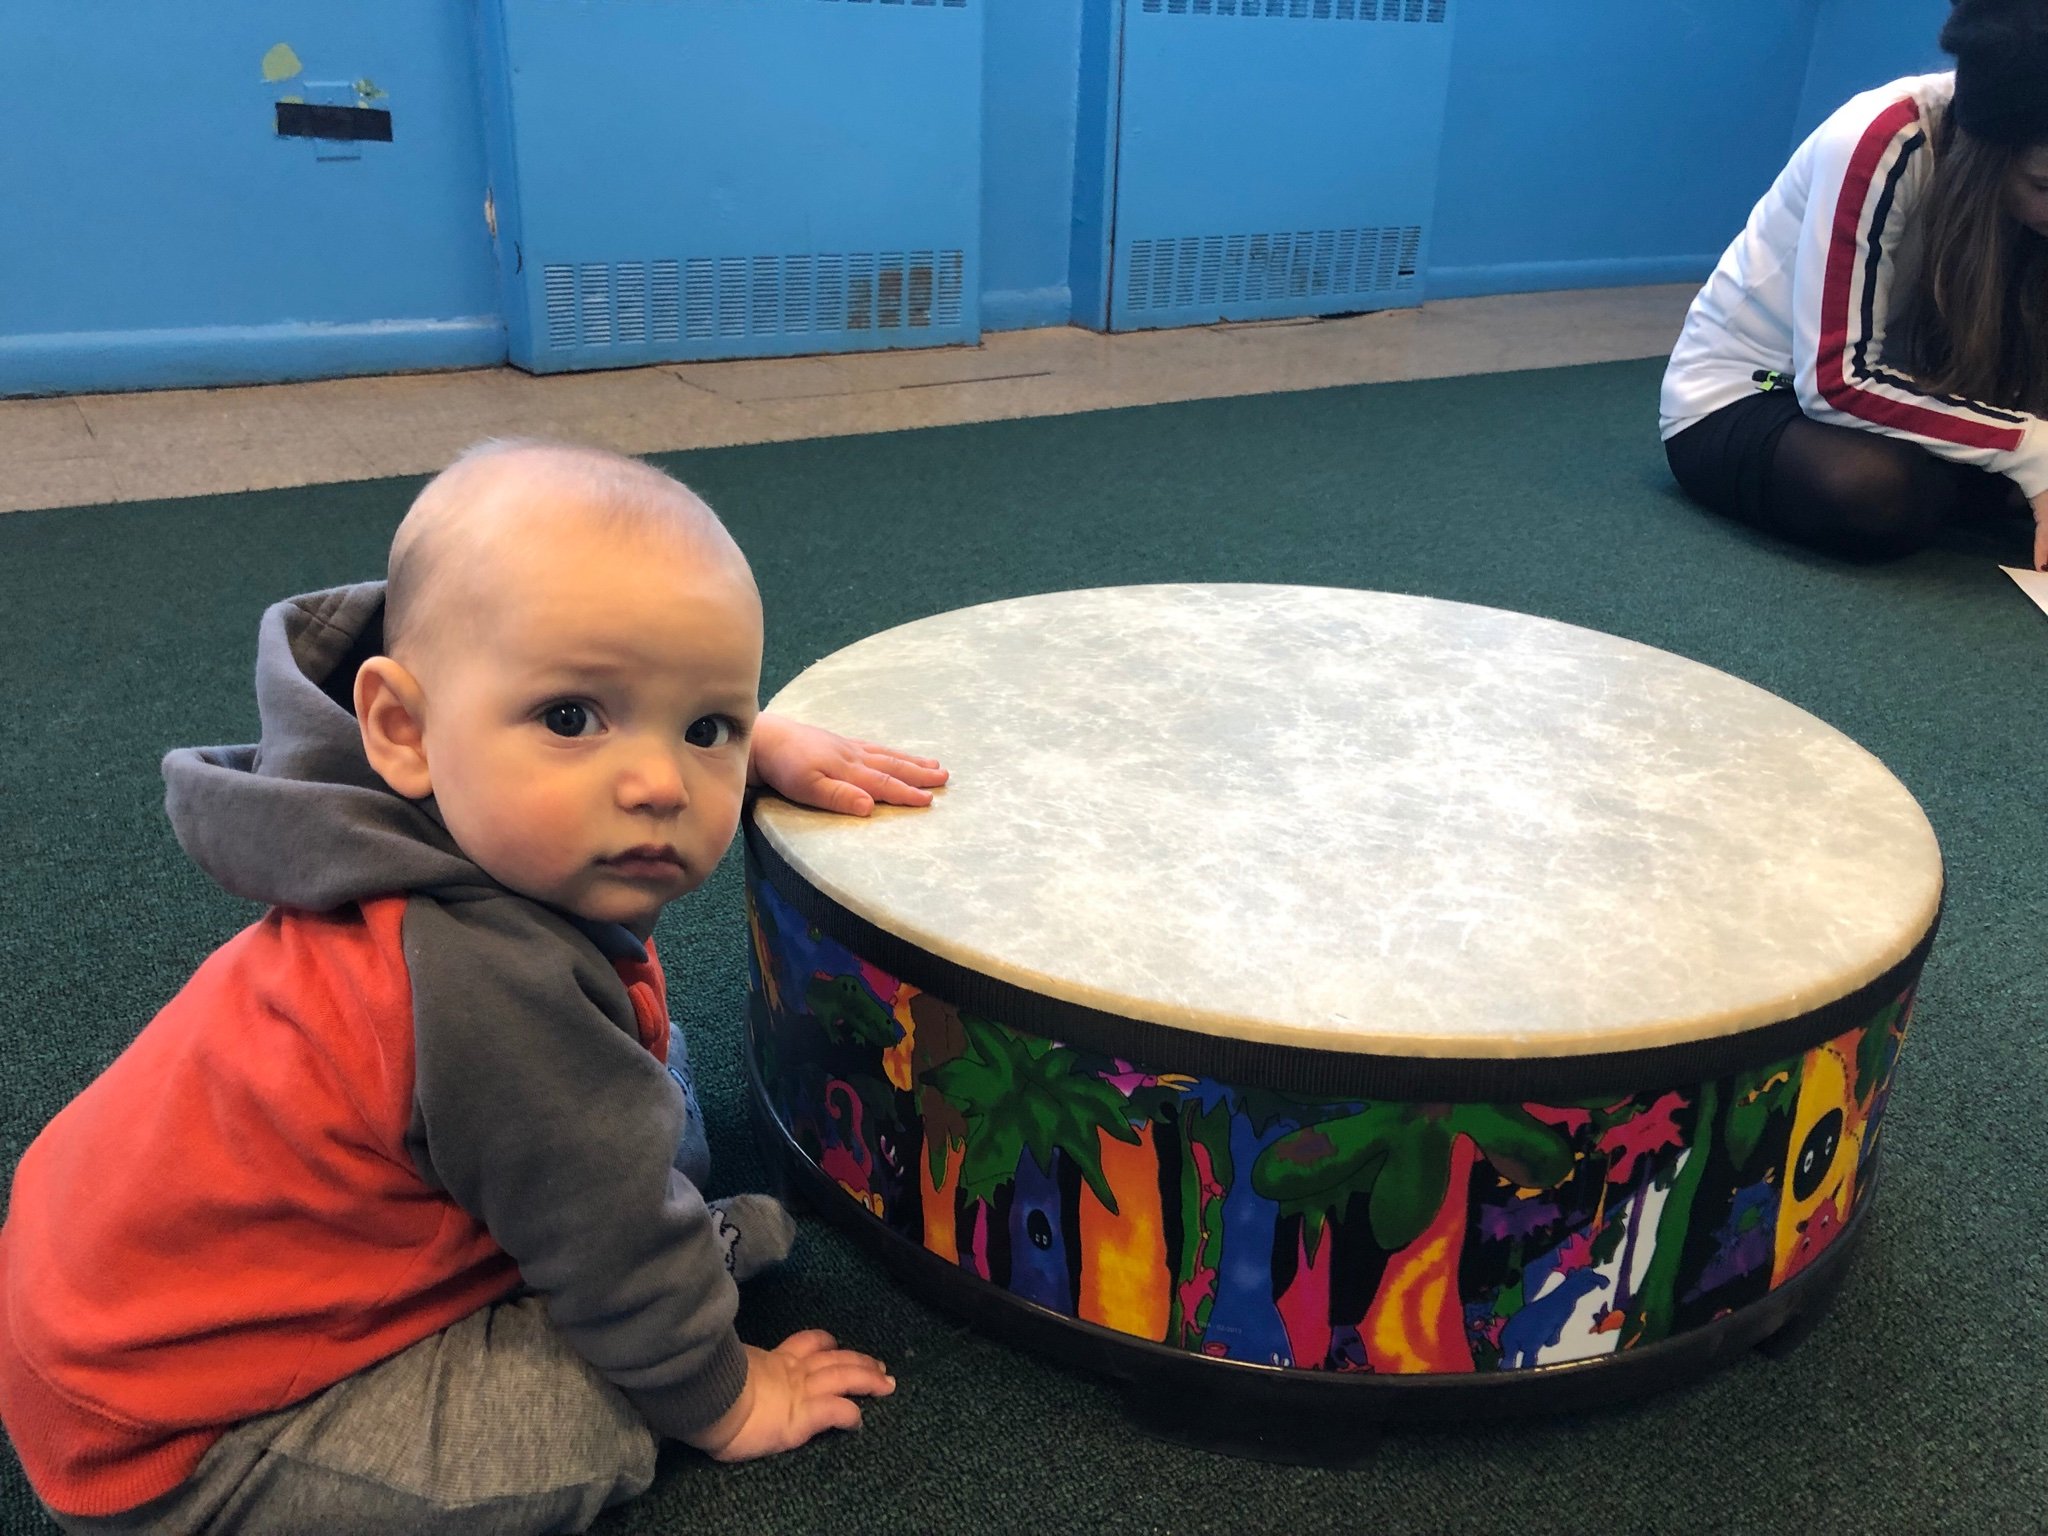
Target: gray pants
491 1426
494 1425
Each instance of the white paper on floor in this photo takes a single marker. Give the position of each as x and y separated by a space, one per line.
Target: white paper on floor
2033 583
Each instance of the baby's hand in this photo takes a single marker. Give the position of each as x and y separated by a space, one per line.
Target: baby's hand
837 773
806 1384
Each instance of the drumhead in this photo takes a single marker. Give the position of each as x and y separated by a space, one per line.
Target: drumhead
1362 822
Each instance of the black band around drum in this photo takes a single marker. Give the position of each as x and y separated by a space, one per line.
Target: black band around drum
1314 1071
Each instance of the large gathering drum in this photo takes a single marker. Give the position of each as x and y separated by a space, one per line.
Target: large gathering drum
1339 999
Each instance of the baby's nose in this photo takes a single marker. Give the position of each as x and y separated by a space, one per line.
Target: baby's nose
653 782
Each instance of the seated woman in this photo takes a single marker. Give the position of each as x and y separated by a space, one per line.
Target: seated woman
1870 358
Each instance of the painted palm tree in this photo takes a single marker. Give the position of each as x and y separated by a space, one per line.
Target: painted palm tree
936 1037
1649 1313
1126 1275
1729 1130
1126 1279
1223 1302
1029 1105
1406 1166
1876 1056
849 1012
1201 1126
1398 1156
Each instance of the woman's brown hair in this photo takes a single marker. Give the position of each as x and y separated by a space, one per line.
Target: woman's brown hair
1973 320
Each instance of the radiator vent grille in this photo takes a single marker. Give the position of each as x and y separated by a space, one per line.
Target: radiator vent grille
1308 10
1211 271
634 303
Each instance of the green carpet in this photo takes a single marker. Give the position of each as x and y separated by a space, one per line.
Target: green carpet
1921 1404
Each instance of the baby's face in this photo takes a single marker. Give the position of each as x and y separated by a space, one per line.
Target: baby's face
588 737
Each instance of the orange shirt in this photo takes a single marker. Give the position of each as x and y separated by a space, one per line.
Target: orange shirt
228 1220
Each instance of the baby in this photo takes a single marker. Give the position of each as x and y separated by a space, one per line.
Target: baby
390 1220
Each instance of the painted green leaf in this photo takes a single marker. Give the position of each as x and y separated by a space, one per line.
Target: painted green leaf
1410 1189
1323 1165
367 91
1509 1301
988 1165
1754 1096
281 63
850 1013
1607 1241
1518 1145
1873 1054
1655 1305
1313 1224
1263 1106
1019 1093
1151 1102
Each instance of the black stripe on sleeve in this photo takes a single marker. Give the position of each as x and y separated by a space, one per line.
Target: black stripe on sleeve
1860 366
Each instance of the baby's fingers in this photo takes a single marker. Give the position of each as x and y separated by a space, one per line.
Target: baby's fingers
819 1414
890 790
811 1341
911 770
847 1373
876 749
799 1420
842 796
816 1364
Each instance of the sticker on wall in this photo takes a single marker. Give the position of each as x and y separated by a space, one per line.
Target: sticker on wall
338 115
280 63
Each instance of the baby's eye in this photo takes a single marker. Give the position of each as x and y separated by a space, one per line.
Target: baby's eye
709 731
569 719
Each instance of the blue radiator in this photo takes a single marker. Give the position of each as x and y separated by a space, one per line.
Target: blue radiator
686 179
1275 158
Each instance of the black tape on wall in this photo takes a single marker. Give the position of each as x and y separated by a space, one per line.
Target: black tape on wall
310 120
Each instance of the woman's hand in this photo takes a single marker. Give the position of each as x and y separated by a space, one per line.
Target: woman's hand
837 773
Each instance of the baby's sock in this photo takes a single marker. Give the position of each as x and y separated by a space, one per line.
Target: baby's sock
756 1231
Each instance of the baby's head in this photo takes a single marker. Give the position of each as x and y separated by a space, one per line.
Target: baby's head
574 661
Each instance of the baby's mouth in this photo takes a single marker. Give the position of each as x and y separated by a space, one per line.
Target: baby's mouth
649 861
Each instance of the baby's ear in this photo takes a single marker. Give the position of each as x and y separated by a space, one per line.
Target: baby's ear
390 712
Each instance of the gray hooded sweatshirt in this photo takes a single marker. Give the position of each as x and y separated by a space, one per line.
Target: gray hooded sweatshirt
535 1107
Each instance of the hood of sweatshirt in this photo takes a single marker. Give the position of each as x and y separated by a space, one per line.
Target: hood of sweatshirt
300 818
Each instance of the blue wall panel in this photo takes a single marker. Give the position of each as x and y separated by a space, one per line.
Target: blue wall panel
1031 63
1592 142
1858 44
1095 134
739 178
157 231
1275 157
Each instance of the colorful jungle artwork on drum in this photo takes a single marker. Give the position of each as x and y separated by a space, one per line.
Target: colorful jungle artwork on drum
1318 1234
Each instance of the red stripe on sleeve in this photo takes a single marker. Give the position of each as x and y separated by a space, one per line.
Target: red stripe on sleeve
1845 248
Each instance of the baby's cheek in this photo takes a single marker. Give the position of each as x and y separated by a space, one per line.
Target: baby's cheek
545 820
723 817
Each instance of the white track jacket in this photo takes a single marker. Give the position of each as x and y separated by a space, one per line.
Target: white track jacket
1806 288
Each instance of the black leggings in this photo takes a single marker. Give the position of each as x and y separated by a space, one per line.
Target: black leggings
1764 462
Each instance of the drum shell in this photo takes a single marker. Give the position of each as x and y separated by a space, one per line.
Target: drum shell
1461 1219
